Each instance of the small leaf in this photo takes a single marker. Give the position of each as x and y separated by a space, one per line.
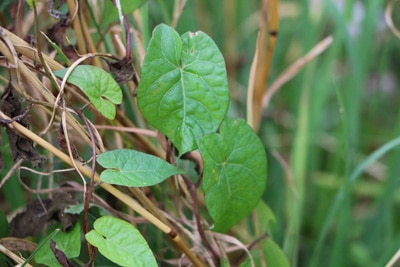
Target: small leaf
235 172
99 86
69 243
58 49
120 242
133 168
183 91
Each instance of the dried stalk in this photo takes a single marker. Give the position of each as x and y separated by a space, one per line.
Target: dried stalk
293 69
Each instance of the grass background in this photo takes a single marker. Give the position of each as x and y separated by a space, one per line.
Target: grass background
319 128
324 123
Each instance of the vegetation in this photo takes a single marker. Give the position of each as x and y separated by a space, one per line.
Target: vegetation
142 133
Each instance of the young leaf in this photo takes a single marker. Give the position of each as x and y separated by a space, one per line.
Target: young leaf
69 243
58 49
183 91
99 86
120 242
235 172
132 168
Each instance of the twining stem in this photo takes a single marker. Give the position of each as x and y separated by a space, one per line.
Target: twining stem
87 171
192 188
125 26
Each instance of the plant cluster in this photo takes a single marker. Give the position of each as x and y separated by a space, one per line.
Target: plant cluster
148 127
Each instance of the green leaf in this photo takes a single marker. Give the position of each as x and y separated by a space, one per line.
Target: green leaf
183 91
271 254
120 242
235 172
69 243
110 12
58 49
99 86
132 168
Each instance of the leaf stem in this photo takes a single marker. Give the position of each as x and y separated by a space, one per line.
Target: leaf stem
89 191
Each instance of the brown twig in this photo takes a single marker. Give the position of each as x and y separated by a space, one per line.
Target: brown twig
242 256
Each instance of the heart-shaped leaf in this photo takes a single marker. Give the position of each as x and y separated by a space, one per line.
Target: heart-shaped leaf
183 91
235 172
120 242
132 168
99 86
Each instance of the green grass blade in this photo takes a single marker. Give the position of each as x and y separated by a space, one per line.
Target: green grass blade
341 195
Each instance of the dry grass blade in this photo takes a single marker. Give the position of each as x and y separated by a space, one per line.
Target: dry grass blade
179 5
233 240
73 7
10 172
250 86
145 132
293 69
26 50
270 20
22 47
13 256
394 259
389 20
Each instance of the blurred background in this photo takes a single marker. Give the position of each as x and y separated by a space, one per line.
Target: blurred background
336 201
